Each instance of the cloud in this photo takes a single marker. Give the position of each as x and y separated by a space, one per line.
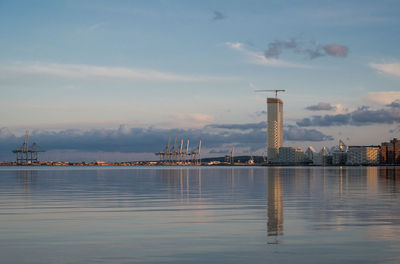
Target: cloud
395 130
248 126
359 117
261 113
197 120
258 58
5 133
394 104
218 16
327 120
275 48
382 98
294 133
96 26
235 45
126 139
336 50
291 133
220 151
196 117
388 68
310 49
321 107
82 71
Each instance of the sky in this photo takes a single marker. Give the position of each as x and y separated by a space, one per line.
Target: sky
113 80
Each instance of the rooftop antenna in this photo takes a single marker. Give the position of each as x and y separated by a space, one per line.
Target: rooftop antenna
275 91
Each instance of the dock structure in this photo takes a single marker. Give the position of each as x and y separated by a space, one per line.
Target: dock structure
27 155
179 155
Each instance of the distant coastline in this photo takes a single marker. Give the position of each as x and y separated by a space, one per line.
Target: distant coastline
161 164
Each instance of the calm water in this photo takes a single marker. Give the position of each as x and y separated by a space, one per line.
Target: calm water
200 215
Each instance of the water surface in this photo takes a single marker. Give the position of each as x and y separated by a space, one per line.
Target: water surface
200 215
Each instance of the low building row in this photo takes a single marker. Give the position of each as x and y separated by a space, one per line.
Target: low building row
385 154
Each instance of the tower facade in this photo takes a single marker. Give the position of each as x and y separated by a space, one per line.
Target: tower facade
274 127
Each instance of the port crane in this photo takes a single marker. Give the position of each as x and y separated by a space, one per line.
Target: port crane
275 91
177 152
26 154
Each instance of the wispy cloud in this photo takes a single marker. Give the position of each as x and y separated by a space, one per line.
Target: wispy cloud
82 71
388 68
382 98
218 16
259 58
189 120
96 26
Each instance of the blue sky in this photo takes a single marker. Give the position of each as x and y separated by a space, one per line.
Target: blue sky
78 69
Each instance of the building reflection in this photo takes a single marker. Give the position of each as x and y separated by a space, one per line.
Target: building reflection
390 179
26 178
275 203
182 181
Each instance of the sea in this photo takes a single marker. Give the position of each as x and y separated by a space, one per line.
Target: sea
199 215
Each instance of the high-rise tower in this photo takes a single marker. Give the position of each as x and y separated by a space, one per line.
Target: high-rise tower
275 127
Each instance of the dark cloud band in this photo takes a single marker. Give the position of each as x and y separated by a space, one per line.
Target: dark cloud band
360 117
147 140
310 49
321 107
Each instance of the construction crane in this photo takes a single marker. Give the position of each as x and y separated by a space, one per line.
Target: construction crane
275 91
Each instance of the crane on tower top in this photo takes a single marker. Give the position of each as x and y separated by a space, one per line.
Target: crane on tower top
275 91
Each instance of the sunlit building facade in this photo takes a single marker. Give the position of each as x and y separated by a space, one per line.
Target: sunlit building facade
290 155
363 155
390 152
275 127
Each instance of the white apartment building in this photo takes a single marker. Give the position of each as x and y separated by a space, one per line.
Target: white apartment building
289 155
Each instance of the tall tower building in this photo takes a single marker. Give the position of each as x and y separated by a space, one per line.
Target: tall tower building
275 127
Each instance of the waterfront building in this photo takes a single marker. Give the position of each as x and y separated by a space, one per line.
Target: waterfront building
363 155
390 152
290 155
275 128
310 153
339 154
339 157
322 158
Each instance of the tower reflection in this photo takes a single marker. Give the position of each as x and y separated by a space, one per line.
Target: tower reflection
275 203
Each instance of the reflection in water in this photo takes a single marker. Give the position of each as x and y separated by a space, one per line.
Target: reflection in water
390 177
275 203
26 178
181 181
200 215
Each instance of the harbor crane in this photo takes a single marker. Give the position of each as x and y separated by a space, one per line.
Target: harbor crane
177 153
275 91
27 155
